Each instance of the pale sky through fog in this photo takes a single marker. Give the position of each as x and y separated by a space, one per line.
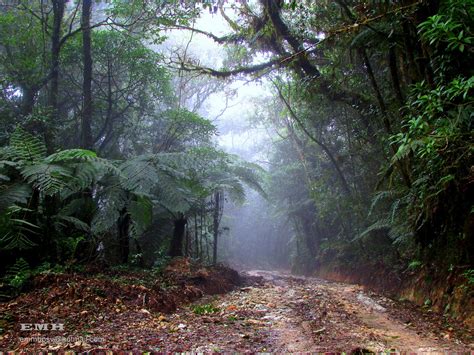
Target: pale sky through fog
240 107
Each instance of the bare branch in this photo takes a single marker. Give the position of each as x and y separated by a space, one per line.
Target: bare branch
232 38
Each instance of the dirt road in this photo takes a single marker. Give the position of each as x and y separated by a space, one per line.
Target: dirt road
297 314
277 312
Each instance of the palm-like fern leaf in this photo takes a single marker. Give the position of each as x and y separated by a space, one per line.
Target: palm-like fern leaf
48 178
26 147
14 194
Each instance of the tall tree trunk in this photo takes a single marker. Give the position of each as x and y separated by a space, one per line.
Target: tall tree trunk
201 233
186 242
58 14
196 237
176 247
27 100
217 214
86 131
385 115
123 225
392 60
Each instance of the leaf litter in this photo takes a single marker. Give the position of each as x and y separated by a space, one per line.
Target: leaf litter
191 308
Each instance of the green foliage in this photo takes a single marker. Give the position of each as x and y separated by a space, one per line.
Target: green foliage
394 94
436 139
16 193
202 309
47 268
16 230
18 275
415 264
34 177
21 59
25 148
68 246
164 161
469 275
450 27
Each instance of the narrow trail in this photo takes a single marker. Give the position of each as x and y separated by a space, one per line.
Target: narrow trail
297 314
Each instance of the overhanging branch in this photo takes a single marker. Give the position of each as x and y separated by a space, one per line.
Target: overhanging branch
228 39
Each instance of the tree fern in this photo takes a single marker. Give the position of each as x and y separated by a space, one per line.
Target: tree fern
71 155
110 202
391 217
17 193
173 181
26 147
141 212
138 174
63 221
16 239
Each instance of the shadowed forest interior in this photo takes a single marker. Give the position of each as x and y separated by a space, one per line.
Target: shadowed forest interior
329 139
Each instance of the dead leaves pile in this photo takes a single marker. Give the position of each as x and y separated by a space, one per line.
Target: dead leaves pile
98 310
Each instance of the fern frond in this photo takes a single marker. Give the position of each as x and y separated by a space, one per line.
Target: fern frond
141 212
383 224
16 240
379 197
20 266
138 174
8 154
26 147
250 174
76 222
394 209
174 201
110 203
71 155
13 194
48 178
404 150
17 274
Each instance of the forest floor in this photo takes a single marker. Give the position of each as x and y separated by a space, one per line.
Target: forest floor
271 312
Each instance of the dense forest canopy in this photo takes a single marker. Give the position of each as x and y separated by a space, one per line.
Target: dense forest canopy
109 153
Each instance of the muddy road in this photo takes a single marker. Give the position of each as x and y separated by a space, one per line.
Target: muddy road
297 314
275 312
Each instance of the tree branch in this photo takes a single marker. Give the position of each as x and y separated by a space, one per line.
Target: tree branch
323 146
232 38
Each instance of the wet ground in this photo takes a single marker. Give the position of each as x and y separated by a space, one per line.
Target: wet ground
297 314
276 313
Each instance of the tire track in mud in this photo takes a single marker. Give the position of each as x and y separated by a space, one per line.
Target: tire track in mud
316 315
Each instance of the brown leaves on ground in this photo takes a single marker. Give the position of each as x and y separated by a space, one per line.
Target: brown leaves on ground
91 305
270 312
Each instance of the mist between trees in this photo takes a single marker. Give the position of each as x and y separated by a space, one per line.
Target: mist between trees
362 137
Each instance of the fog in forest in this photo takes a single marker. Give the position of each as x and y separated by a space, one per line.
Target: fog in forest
235 176
315 137
253 233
